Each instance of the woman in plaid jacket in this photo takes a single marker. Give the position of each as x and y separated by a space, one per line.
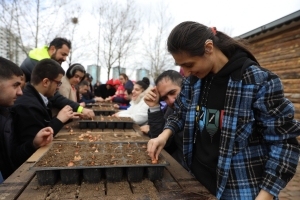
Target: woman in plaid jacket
239 136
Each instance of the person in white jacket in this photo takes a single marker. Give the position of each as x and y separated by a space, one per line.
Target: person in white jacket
138 111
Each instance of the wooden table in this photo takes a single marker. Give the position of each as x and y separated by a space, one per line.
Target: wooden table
177 183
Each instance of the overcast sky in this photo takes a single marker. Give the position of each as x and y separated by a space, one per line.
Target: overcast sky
239 16
234 17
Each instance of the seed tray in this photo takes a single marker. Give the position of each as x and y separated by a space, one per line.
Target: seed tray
97 160
91 105
103 122
104 111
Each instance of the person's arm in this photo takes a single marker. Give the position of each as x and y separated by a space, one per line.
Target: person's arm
124 107
86 100
59 101
39 119
274 116
21 152
120 99
156 121
137 113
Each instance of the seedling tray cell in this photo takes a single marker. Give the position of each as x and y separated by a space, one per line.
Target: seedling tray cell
111 125
135 174
93 175
128 125
92 125
103 122
101 125
70 176
71 161
82 125
114 174
47 177
155 173
120 125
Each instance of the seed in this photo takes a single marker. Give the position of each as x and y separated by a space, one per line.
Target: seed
154 161
70 164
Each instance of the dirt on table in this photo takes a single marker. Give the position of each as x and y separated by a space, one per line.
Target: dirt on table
100 136
97 154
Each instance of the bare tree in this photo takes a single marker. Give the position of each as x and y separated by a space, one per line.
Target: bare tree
80 42
119 27
6 19
34 22
155 48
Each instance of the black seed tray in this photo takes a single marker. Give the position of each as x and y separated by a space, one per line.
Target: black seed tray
104 112
103 122
91 105
111 161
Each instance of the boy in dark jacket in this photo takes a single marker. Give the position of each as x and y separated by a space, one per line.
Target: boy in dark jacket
10 81
35 106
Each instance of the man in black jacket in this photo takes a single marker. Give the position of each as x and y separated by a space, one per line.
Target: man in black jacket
10 81
58 50
168 86
34 104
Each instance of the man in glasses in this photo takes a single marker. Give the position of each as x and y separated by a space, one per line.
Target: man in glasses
58 50
32 111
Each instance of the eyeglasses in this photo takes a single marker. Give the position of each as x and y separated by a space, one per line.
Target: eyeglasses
57 82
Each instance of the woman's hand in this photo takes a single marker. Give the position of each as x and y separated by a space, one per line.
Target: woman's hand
264 195
116 106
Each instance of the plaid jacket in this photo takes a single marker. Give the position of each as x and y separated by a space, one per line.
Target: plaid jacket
258 149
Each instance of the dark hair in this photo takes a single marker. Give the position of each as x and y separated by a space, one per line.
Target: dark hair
128 90
59 42
73 69
83 83
190 37
124 75
8 69
46 68
172 75
144 83
88 76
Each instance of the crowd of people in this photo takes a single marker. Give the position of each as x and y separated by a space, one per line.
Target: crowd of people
222 117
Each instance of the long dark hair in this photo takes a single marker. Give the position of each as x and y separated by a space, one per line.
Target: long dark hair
190 37
144 83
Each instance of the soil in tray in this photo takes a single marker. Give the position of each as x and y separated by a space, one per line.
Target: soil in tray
89 136
70 155
109 119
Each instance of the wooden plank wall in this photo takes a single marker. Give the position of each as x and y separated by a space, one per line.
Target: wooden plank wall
280 53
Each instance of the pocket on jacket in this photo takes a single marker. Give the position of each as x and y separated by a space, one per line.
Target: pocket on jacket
244 130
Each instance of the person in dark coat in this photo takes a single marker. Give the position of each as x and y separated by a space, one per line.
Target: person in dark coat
35 105
105 90
10 82
90 93
58 50
168 86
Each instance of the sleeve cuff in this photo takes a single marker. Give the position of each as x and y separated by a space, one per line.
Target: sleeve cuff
80 109
154 109
272 184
